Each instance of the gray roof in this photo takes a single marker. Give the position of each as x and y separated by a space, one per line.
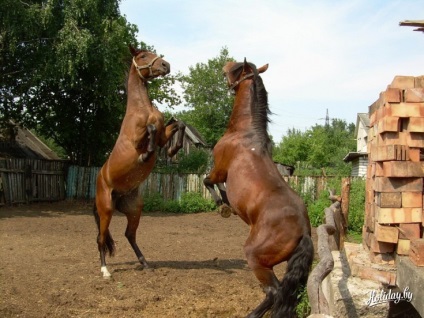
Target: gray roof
25 144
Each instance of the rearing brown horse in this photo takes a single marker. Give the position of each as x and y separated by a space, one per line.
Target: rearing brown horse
279 225
133 156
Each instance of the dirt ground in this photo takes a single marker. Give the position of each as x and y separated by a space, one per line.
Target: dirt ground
50 267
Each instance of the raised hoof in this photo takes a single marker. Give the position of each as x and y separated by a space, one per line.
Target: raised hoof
143 158
225 211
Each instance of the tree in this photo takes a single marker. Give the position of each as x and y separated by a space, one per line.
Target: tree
206 94
318 148
63 72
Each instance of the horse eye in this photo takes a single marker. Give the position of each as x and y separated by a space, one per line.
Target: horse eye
143 56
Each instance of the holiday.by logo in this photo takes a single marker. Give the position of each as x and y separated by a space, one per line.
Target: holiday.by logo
382 296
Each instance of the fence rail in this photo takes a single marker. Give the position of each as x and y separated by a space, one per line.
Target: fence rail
31 180
81 184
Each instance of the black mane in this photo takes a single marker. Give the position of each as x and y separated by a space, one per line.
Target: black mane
260 114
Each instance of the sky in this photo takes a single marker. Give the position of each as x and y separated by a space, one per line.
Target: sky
323 55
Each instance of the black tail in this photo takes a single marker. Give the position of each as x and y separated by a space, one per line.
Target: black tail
110 243
294 280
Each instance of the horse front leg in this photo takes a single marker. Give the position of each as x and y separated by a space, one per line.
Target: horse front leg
179 128
151 146
222 202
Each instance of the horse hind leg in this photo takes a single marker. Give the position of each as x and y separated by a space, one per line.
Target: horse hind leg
105 241
131 206
270 286
298 267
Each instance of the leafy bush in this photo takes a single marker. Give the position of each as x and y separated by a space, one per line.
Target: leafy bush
316 209
194 162
190 202
153 202
356 205
194 202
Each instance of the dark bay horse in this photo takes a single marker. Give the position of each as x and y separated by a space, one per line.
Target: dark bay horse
279 224
133 156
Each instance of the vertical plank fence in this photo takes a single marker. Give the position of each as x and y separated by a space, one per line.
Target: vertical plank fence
31 180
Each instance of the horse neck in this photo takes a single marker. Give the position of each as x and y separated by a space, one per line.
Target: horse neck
241 116
137 97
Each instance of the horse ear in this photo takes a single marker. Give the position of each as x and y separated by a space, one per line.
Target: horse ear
263 68
245 66
132 50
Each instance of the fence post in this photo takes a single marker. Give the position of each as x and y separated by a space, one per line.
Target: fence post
345 203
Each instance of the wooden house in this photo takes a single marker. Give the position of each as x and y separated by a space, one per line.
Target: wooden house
359 158
192 140
29 170
19 142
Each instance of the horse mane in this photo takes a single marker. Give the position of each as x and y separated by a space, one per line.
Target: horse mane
260 114
259 108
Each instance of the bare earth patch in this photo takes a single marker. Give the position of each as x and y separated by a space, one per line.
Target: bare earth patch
50 267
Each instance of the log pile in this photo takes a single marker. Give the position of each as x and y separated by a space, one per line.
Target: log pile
394 186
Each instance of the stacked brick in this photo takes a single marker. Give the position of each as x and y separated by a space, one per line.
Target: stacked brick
394 186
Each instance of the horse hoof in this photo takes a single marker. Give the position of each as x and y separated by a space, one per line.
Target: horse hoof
105 272
225 211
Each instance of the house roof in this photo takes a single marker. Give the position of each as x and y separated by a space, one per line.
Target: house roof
353 155
415 23
191 132
24 144
365 120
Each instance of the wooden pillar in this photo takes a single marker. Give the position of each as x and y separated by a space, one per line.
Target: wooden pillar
345 204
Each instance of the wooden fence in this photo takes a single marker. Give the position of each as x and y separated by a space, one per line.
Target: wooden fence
81 184
31 180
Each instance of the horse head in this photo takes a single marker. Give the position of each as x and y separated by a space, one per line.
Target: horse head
237 72
148 64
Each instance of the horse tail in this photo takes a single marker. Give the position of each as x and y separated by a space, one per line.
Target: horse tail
110 243
294 280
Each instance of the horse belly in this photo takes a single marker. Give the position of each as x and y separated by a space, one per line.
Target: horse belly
128 175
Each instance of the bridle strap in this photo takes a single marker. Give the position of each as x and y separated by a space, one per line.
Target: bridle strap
245 77
149 66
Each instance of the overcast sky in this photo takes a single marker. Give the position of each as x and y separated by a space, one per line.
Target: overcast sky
335 55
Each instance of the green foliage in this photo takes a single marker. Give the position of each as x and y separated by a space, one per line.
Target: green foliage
153 202
194 162
190 202
318 150
303 309
206 94
356 205
316 209
63 66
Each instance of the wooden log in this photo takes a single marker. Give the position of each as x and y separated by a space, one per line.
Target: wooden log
385 184
403 247
410 231
398 215
317 300
416 253
403 169
385 233
345 204
413 95
389 199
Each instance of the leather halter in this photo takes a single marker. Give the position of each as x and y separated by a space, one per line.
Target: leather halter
149 66
245 77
